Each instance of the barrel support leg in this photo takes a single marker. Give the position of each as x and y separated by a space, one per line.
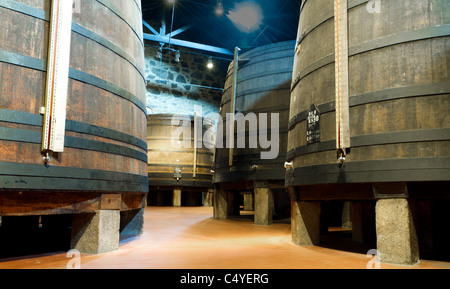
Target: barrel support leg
177 197
248 201
264 205
96 233
305 223
208 198
220 203
347 215
396 234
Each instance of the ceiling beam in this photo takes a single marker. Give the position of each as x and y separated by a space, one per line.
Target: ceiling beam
188 44
149 27
179 31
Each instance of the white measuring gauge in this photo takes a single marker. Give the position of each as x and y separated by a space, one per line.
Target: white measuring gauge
57 76
342 80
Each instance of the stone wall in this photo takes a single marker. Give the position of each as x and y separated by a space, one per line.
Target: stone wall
175 88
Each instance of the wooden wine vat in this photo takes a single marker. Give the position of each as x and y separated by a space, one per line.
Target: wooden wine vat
173 157
399 101
262 87
104 163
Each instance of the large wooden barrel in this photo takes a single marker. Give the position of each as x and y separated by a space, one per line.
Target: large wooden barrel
398 163
105 140
399 94
263 83
262 89
173 157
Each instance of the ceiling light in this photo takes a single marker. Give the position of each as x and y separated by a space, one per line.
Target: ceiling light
247 16
219 9
177 56
171 1
210 63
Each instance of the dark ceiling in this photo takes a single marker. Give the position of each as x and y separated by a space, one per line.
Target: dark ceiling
280 21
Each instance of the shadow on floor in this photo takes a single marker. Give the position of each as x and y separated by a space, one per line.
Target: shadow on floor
341 239
248 216
30 235
242 218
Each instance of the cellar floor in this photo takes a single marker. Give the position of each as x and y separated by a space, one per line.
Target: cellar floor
189 238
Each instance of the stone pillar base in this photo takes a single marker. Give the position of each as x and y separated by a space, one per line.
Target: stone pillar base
220 204
396 235
347 215
208 199
248 202
96 233
263 206
177 197
305 223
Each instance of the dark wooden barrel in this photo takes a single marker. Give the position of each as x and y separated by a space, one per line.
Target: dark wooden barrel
263 83
399 104
105 140
171 152
399 94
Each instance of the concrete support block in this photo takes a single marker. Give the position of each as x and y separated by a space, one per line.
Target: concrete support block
177 197
208 199
248 201
263 206
347 215
305 223
132 223
396 235
220 204
96 233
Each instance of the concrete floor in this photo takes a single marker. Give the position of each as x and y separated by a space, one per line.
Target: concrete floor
188 238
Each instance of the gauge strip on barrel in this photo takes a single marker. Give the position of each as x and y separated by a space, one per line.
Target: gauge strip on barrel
194 174
341 77
57 76
233 107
